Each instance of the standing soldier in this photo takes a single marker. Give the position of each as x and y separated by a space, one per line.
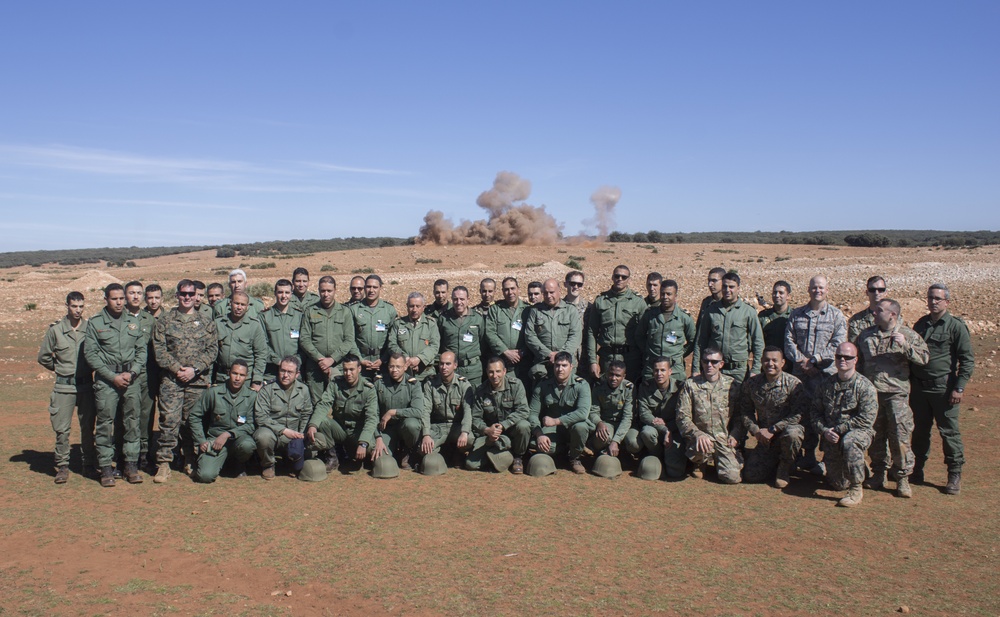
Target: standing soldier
62 353
655 420
447 417
505 331
773 320
938 386
704 410
134 293
241 338
222 425
372 318
487 295
400 408
535 293
281 414
416 336
653 282
463 333
843 415
215 293
559 412
327 336
346 416
574 297
185 344
357 290
238 282
665 331
282 325
611 409
864 319
441 299
301 298
714 295
151 388
886 351
553 326
610 327
731 326
200 300
116 349
499 418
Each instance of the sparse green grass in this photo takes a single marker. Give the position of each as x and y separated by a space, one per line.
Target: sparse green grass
731 251
427 260
534 264
572 263
365 270
30 306
327 268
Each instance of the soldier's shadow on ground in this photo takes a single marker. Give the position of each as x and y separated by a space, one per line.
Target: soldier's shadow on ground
807 486
38 462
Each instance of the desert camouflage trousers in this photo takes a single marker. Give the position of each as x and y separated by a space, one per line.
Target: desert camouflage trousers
728 460
176 403
761 462
893 428
845 460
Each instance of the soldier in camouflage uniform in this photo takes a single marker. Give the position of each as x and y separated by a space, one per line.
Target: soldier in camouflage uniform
771 407
499 417
185 344
654 427
282 326
887 350
281 415
559 412
843 414
611 408
463 333
327 336
400 408
864 319
487 295
611 325
417 337
505 331
372 319
301 298
553 326
115 347
62 353
222 425
938 386
731 326
346 416
704 409
238 282
447 413
241 338
665 331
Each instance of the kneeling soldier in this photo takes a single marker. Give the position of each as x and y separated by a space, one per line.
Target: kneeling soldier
560 412
499 417
346 415
401 407
655 426
281 415
447 417
704 408
222 424
611 409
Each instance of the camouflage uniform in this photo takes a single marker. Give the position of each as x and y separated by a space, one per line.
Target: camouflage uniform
62 353
651 403
736 331
505 331
345 415
181 340
858 323
275 410
570 402
705 408
670 335
548 329
407 398
508 407
778 406
326 333
849 408
220 411
887 365
447 410
612 406
610 331
371 332
419 339
241 340
221 308
464 336
282 332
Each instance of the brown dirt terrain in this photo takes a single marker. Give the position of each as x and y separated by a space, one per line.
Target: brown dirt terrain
476 543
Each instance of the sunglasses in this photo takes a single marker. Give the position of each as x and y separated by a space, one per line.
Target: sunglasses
357 288
712 362
876 290
185 294
843 357
620 277
575 284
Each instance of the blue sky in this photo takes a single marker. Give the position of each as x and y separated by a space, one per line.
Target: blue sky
219 122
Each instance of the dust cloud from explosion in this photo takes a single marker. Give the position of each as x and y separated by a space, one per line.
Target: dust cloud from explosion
511 220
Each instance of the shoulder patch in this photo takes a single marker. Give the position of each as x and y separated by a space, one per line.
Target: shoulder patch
460 378
579 379
369 384
628 384
686 311
411 380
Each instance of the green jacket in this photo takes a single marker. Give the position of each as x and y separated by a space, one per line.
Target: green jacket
112 346
327 333
447 403
406 397
241 340
181 340
350 407
218 411
221 308
773 406
420 339
887 363
552 328
62 353
371 328
506 406
950 348
570 402
505 328
651 403
665 334
736 331
773 324
282 332
612 406
611 324
850 405
277 409
705 408
302 304
463 336
435 311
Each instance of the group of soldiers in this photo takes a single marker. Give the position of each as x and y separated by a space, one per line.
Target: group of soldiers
508 384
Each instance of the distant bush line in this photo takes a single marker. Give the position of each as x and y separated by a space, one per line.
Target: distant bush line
876 238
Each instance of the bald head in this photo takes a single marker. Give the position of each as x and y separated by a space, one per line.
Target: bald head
550 290
846 360
817 290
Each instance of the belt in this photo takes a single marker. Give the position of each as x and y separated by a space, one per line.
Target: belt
931 383
122 368
469 361
615 349
66 381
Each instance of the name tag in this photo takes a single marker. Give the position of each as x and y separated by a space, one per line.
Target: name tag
379 326
516 325
294 334
671 338
467 337
241 420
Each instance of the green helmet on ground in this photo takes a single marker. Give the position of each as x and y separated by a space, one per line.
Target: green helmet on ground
501 460
607 466
385 467
540 465
650 468
433 464
313 470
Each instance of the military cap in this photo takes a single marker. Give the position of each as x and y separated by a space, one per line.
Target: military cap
501 460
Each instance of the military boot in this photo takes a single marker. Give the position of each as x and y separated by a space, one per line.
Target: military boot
903 488
917 475
853 497
517 467
267 473
107 476
404 462
332 462
132 474
698 472
576 466
954 486
782 477
162 473
876 481
62 474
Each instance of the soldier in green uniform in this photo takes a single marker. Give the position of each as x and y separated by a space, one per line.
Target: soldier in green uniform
499 417
356 290
665 331
771 407
116 349
447 413
62 353
281 414
222 424
241 338
536 294
886 351
487 297
843 415
654 425
559 412
611 408
653 282
215 293
774 319
417 337
346 416
864 319
552 326
938 386
463 333
731 326
442 300
238 282
201 303
151 388
282 326
704 409
372 319
301 298
185 345
400 408
327 336
714 295
134 293
505 331
610 327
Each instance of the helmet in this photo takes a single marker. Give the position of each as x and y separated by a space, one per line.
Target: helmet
385 467
313 470
501 460
607 466
433 464
650 468
540 465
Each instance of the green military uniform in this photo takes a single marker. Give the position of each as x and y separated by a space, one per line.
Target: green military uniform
849 408
62 353
570 402
434 310
651 403
482 309
948 370
549 329
705 408
149 387
507 407
345 415
858 323
670 335
302 304
773 323
612 406
241 340
146 323
326 333
371 331
406 396
736 331
464 336
447 410
181 340
505 332
206 310
275 410
282 331
220 411
703 310
254 308
115 345
779 407
887 365
416 339
610 331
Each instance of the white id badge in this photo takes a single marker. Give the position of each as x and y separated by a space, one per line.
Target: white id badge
241 420
516 325
294 334
467 337
672 338
379 326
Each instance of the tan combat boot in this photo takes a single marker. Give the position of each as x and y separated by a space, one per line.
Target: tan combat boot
876 481
162 473
853 497
782 477
903 488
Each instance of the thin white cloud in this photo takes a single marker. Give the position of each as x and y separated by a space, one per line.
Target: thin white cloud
124 202
357 170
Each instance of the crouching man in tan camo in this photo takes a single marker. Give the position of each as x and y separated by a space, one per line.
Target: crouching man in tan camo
704 408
